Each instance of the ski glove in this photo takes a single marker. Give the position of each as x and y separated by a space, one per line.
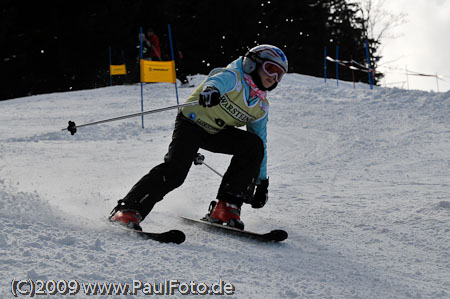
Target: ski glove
209 97
261 194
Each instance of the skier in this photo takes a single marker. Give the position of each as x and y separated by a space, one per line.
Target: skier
230 97
150 42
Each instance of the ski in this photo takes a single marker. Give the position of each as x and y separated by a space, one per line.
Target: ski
272 236
171 236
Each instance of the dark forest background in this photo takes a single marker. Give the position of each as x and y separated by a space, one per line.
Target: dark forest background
50 46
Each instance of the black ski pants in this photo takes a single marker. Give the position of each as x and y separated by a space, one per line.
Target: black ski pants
247 150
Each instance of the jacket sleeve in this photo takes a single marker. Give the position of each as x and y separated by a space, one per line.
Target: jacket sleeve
224 81
259 128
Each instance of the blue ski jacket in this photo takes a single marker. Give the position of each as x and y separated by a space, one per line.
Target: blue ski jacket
225 82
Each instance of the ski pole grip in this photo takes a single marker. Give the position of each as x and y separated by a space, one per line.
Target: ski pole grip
199 159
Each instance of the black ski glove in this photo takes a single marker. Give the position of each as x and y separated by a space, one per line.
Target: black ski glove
261 194
209 97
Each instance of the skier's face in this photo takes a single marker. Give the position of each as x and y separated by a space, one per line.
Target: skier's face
266 80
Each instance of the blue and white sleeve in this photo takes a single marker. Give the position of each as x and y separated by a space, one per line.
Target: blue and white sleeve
224 81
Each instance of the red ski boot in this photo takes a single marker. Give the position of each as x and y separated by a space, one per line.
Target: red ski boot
128 218
226 213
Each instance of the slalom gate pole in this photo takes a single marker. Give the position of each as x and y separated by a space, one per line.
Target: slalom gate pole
125 63
200 160
173 58
110 62
72 128
368 65
141 56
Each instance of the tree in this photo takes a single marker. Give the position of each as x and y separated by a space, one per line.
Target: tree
65 46
378 23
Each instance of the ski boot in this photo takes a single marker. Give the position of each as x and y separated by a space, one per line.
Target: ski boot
225 213
126 217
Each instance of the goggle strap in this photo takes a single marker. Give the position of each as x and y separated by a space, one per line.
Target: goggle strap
254 57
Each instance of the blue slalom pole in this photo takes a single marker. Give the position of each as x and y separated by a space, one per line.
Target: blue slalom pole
125 63
173 58
368 65
325 65
337 64
140 79
110 76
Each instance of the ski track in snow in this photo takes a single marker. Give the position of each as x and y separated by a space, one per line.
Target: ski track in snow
359 178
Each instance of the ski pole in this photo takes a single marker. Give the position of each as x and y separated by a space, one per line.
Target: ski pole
200 159
72 127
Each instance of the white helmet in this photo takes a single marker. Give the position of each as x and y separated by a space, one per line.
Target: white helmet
258 55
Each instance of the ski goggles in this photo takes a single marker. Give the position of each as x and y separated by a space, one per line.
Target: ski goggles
273 69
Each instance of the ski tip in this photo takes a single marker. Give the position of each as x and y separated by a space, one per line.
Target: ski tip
177 236
278 235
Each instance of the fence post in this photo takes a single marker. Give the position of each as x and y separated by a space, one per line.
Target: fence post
437 82
407 78
353 72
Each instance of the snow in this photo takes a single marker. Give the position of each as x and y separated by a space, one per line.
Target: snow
358 177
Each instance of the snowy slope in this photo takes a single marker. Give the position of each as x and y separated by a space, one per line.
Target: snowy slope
359 178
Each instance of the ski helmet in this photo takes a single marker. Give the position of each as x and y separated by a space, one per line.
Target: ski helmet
256 57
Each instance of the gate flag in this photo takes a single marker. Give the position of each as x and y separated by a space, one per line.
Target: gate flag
117 69
158 71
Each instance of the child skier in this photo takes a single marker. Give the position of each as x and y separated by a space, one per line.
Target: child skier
230 97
